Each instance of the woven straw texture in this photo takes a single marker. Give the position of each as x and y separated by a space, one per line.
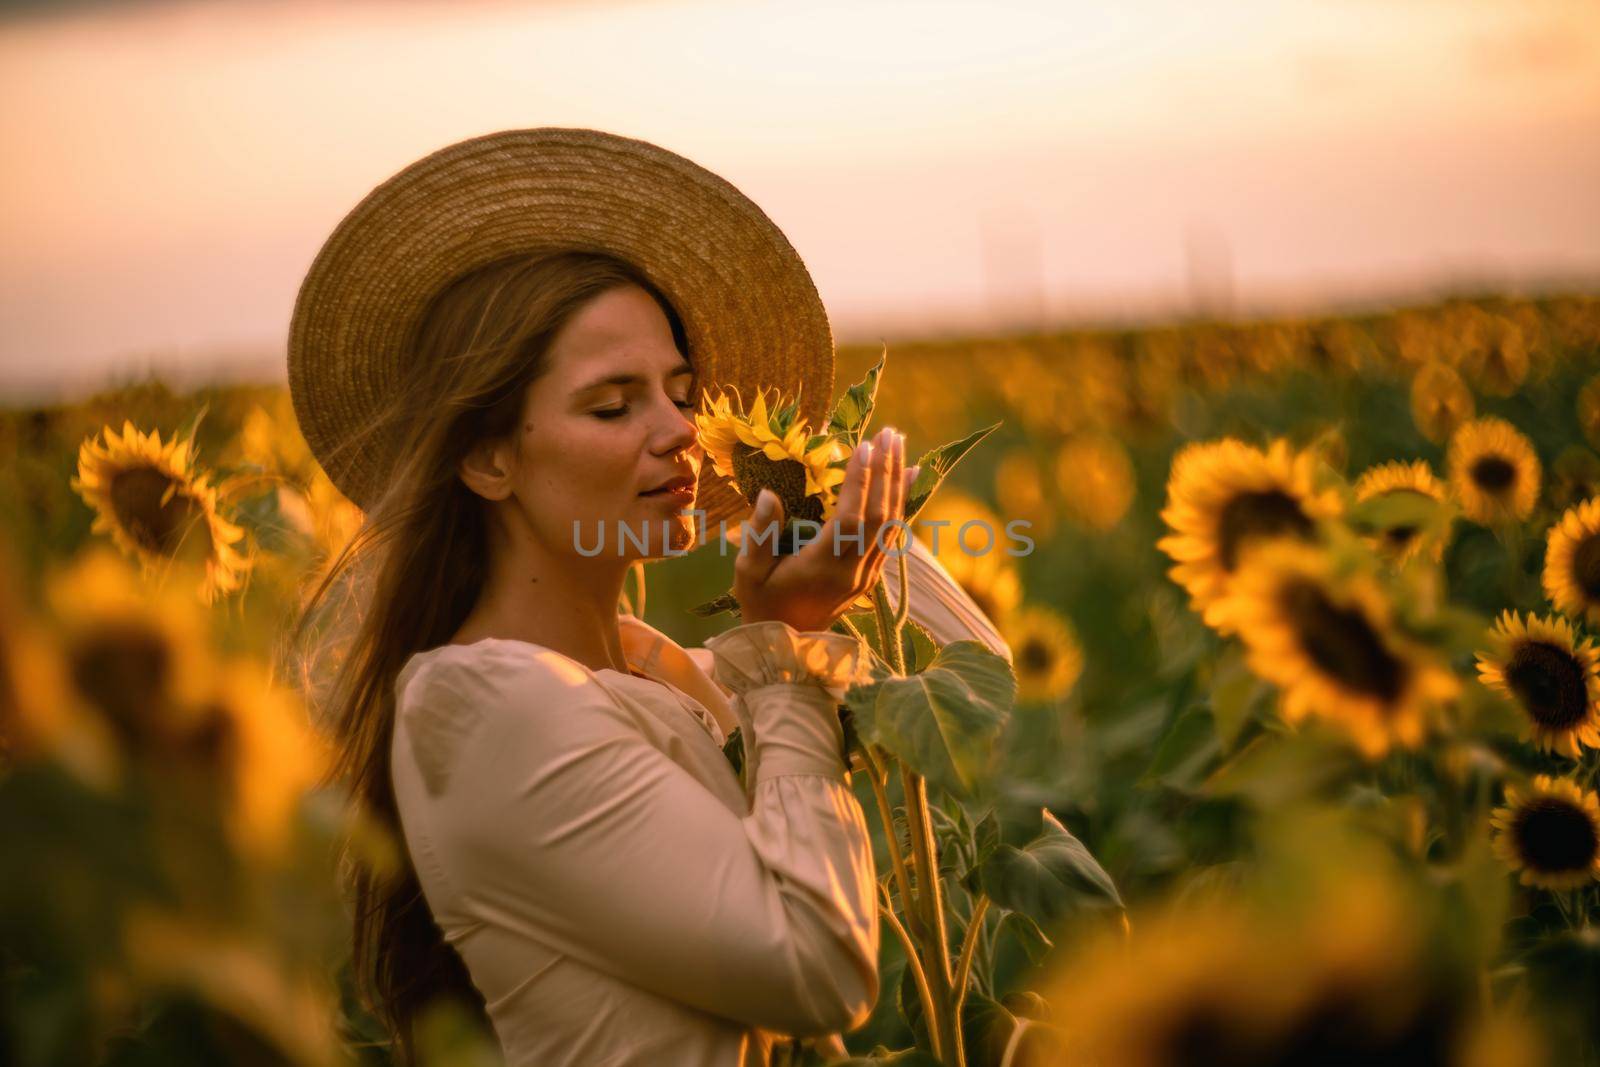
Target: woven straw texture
749 308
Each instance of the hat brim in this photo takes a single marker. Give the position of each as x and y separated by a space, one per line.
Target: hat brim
750 311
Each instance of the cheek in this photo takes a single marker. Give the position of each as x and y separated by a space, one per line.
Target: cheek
585 459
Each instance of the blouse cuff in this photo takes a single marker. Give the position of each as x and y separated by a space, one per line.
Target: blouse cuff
758 654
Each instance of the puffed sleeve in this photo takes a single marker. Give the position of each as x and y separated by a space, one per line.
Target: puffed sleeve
564 820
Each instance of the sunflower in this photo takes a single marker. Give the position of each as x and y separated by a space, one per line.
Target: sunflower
1551 833
158 506
1588 406
1574 477
1226 496
1440 400
1022 492
1402 541
1572 562
1327 641
772 449
1551 674
1349 974
1494 471
137 657
268 755
1096 480
1045 654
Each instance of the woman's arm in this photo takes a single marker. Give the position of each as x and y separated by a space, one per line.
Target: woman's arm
563 819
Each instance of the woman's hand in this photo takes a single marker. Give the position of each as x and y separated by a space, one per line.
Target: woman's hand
813 587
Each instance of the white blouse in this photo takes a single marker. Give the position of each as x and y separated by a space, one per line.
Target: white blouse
584 843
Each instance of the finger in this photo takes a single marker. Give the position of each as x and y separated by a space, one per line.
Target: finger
897 498
756 561
878 488
853 493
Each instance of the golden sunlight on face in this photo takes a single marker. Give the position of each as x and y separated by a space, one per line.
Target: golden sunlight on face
608 424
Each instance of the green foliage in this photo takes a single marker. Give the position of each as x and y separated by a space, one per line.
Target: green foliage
941 721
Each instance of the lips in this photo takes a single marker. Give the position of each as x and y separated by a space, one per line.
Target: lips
682 482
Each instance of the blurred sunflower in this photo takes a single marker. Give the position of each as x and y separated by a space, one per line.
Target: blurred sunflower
1045 654
1346 975
1574 477
1326 639
158 506
269 438
1224 497
1019 489
991 579
1402 541
1095 477
138 657
772 449
1494 471
1440 401
1588 406
261 738
1551 674
1493 353
1550 832
1572 562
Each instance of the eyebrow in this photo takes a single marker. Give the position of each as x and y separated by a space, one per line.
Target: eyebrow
679 371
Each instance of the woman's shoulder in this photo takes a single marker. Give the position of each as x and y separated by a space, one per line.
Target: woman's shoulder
453 698
488 668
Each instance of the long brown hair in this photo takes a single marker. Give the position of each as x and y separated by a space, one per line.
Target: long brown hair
409 578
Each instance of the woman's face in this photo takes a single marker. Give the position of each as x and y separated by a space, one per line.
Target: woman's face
611 419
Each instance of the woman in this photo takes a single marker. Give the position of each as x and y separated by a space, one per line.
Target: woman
497 355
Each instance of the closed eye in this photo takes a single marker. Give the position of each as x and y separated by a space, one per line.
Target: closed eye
616 413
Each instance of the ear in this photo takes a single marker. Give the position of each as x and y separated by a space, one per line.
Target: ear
486 469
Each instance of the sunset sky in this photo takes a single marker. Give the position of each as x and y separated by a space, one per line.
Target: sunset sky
170 169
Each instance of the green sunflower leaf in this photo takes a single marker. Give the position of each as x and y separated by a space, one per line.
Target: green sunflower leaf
1403 512
783 418
944 721
854 409
1050 877
937 463
1027 933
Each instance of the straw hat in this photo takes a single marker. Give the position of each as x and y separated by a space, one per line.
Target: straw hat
750 311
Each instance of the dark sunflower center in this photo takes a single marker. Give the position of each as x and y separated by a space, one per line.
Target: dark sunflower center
124 669
136 500
1399 536
1586 566
1549 684
1553 835
1035 656
754 471
1342 643
1337 1026
1251 516
1493 473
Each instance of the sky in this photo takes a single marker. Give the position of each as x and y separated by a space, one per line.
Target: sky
170 169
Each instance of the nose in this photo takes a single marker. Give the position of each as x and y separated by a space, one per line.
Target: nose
679 432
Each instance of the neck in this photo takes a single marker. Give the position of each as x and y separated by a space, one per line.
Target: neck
561 600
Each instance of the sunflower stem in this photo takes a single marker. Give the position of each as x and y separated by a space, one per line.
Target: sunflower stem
936 954
878 774
969 945
903 611
918 974
924 856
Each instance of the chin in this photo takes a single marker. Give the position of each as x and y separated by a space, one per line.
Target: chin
653 536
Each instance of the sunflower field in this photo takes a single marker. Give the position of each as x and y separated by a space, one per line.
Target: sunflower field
1299 763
